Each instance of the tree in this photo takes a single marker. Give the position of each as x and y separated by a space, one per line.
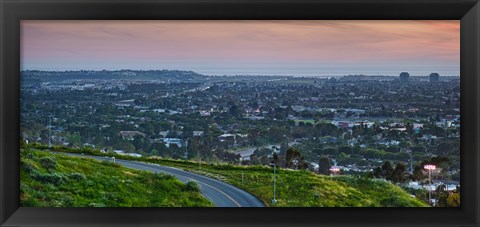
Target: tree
276 134
228 156
399 175
303 165
283 147
342 158
254 159
418 149
330 151
275 159
326 129
442 196
345 149
264 160
444 148
377 172
418 174
292 157
387 170
233 110
437 131
74 139
392 149
125 146
139 142
154 152
324 165
453 199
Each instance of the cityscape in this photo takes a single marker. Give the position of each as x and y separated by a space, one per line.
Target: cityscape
179 137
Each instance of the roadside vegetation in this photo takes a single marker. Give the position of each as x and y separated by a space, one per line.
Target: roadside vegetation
301 188
54 180
295 188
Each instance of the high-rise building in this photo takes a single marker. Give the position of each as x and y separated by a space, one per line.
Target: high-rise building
404 77
434 77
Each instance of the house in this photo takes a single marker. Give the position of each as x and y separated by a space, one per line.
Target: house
133 154
125 103
170 141
119 151
198 133
226 136
205 113
164 133
130 135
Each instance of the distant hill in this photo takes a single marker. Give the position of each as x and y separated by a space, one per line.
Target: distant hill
35 76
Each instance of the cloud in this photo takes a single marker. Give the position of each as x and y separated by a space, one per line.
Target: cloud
295 43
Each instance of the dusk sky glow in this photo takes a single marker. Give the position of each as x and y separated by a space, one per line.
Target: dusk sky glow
304 48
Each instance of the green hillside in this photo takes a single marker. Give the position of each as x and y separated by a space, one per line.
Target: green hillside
301 188
51 180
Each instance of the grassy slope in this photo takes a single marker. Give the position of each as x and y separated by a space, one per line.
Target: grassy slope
294 188
51 180
304 188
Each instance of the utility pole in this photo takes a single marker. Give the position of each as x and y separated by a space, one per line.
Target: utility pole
199 161
274 200
186 150
411 163
430 168
49 131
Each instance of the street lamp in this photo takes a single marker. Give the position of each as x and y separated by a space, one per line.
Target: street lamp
50 131
411 162
274 201
430 167
185 156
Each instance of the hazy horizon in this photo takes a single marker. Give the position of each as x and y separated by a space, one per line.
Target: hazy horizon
295 48
246 73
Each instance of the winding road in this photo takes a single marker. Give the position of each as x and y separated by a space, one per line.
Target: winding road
220 193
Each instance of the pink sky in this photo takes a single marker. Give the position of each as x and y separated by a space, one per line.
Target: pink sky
245 47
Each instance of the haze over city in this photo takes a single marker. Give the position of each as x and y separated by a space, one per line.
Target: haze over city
299 48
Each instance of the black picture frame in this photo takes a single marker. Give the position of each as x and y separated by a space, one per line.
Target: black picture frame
12 11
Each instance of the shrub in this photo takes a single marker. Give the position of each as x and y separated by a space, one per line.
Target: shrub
96 205
110 163
28 167
77 176
62 149
48 163
39 146
27 153
51 178
192 186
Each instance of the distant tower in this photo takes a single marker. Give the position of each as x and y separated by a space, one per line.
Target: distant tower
434 77
404 77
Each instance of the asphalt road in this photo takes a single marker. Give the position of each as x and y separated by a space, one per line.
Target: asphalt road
220 193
